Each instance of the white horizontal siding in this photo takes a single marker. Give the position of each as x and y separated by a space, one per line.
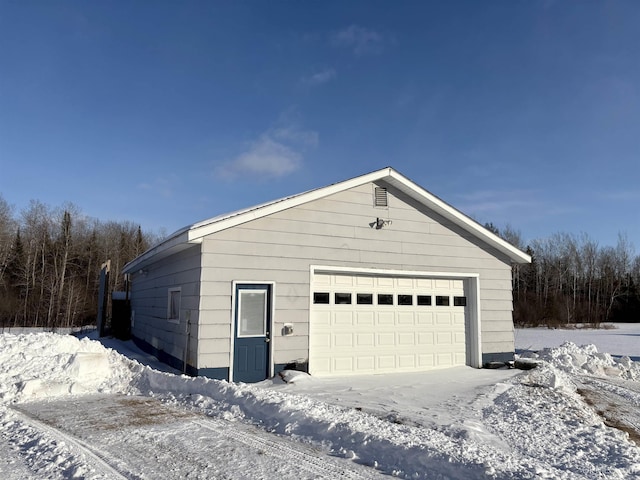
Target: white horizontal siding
210 358
496 325
149 299
336 231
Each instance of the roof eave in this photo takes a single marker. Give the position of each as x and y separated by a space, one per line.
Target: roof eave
456 216
179 238
289 202
196 233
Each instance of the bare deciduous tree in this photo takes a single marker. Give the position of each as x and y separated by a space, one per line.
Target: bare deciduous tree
50 260
573 280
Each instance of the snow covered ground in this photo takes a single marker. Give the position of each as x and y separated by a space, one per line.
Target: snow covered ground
78 408
619 341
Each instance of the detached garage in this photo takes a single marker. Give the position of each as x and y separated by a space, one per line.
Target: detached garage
370 275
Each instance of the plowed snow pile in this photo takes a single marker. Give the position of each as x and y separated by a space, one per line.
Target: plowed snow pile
532 424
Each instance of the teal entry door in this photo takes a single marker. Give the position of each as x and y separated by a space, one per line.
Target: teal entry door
252 332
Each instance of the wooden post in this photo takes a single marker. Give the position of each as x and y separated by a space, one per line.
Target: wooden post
103 297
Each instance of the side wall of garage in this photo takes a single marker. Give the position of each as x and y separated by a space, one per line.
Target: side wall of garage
340 230
153 329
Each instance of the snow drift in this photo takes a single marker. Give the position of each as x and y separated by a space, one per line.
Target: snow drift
532 425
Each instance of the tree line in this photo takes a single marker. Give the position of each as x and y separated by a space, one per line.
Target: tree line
572 279
50 261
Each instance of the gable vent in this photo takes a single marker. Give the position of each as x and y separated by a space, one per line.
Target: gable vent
380 195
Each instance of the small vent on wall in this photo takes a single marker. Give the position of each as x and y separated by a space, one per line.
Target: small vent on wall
380 197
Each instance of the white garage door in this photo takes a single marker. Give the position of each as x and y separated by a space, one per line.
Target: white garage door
374 324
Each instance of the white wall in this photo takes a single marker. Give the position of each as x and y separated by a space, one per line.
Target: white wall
336 231
149 300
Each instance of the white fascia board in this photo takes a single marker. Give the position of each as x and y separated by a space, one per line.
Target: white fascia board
175 240
457 217
195 233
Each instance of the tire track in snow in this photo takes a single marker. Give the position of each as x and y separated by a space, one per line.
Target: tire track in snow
100 466
312 463
139 437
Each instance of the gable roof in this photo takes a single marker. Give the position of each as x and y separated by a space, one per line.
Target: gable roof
194 234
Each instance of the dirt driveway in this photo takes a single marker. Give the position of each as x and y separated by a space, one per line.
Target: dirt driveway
617 401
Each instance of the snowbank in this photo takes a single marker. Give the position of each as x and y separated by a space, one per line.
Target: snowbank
532 425
47 364
586 360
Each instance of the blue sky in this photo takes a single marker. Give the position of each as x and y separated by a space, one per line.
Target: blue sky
166 113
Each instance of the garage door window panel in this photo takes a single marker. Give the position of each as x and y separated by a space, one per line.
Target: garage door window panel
405 300
342 299
459 301
321 298
423 300
364 299
442 301
385 299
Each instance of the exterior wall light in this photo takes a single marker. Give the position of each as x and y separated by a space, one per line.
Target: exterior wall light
380 222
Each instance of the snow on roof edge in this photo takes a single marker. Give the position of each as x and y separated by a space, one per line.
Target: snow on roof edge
194 232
